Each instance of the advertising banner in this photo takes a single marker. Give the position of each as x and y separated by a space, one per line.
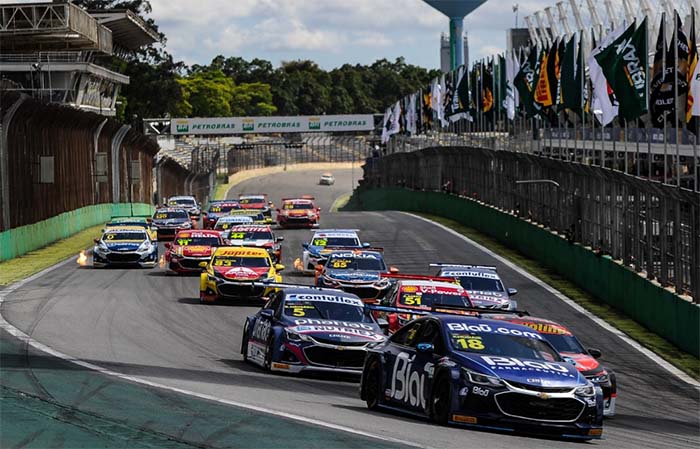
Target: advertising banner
260 125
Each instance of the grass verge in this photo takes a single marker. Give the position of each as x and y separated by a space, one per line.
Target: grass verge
682 360
220 191
24 266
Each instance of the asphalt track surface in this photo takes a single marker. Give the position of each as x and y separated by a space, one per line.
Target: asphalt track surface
150 324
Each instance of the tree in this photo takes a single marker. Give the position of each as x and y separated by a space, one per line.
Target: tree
206 94
252 99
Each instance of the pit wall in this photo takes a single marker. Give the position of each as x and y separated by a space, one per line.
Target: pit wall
661 311
18 241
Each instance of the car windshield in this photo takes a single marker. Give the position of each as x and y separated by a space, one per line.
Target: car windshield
182 202
127 223
427 300
225 224
233 261
222 208
502 344
480 284
252 200
124 236
565 343
250 235
196 241
365 263
290 206
166 215
326 310
335 241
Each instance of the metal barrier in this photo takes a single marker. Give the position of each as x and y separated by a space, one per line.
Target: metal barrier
651 227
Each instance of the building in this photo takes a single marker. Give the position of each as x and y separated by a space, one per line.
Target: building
60 53
445 63
516 38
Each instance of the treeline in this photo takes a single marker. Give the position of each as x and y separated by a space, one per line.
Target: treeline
233 86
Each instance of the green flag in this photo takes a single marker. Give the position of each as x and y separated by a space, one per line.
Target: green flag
525 82
623 64
570 82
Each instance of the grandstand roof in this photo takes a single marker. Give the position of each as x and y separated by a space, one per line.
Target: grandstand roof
128 29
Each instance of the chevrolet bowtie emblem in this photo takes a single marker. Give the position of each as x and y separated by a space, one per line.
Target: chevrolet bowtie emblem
544 395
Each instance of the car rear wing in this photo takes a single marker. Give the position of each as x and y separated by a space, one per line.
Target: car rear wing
418 277
448 310
303 197
321 231
287 285
355 249
467 266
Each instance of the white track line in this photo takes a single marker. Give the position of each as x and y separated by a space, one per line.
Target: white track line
599 321
12 330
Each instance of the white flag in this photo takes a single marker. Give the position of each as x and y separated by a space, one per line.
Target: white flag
512 68
601 105
411 115
395 119
386 126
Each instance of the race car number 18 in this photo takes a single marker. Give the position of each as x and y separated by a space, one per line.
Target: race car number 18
470 343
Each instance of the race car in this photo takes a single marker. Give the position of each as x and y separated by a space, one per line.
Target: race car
142 222
356 271
322 243
307 329
189 203
256 236
472 371
298 213
327 179
422 294
217 209
169 221
189 249
258 202
128 245
483 284
256 215
231 273
228 221
568 346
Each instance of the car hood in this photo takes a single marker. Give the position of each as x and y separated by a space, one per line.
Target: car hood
322 250
241 273
354 275
257 243
337 332
193 250
535 373
170 221
487 299
253 206
123 246
584 362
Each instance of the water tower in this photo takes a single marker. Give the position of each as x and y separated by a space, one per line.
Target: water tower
456 10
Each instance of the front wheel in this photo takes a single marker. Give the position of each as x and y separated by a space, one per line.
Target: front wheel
441 401
371 385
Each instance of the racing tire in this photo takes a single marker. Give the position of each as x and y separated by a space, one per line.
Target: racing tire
268 352
201 299
371 385
441 401
244 343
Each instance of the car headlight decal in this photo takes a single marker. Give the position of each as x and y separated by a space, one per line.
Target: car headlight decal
482 379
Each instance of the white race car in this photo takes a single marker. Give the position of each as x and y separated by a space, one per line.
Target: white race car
322 243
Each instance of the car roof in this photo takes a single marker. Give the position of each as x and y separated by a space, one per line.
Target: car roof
318 294
298 200
425 283
233 218
241 251
181 197
199 233
485 273
125 228
170 209
335 233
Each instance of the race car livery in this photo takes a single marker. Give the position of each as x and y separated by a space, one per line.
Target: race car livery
255 236
188 203
483 284
256 215
309 329
257 202
484 373
217 210
228 221
232 272
190 249
356 271
142 222
423 294
569 346
322 243
170 221
298 213
125 246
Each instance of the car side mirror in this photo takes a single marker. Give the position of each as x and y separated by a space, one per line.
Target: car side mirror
167 245
425 347
512 291
267 313
305 245
595 353
203 264
279 267
365 245
393 270
279 238
318 209
569 360
270 203
96 240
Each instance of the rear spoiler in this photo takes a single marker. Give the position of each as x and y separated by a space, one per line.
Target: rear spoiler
448 310
458 265
333 230
355 249
287 285
418 277
303 197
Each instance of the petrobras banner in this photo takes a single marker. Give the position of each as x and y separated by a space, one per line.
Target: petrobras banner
261 125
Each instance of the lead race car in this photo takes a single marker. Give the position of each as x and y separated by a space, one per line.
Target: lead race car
256 236
298 213
128 245
483 373
322 243
302 328
356 271
483 284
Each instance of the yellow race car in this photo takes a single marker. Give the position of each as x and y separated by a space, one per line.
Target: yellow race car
231 272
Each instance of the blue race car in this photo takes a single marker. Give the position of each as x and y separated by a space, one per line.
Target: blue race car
310 329
322 243
356 271
125 246
484 373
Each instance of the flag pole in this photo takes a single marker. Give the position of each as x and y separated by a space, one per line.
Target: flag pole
675 98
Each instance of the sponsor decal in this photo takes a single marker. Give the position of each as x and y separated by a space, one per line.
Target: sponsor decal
241 272
514 364
545 328
314 123
338 330
277 365
261 330
407 384
182 126
470 274
356 255
315 322
481 391
485 328
248 125
464 419
324 298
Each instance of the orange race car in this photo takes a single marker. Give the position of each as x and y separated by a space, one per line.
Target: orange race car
190 249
